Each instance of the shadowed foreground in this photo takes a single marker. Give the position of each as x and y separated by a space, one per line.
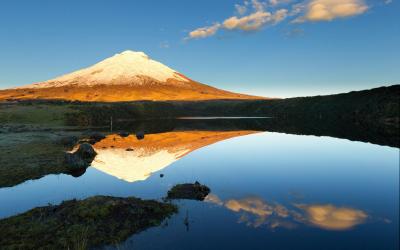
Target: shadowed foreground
95 221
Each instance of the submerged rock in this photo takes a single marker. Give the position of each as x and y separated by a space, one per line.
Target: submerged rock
123 134
140 135
86 152
92 222
81 158
189 191
77 172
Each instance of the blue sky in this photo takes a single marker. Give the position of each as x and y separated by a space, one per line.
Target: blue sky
273 48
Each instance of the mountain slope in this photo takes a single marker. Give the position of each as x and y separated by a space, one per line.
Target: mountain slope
128 76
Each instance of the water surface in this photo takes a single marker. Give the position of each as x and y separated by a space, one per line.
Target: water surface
268 190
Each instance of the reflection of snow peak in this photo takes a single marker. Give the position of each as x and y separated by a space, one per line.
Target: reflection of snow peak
133 165
130 159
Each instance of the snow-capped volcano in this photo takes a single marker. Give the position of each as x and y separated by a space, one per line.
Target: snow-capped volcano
127 76
128 67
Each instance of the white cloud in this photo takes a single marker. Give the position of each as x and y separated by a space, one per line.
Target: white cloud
247 23
280 15
258 18
254 15
254 21
205 31
327 10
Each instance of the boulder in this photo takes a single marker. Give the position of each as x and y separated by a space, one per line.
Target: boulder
77 172
81 158
86 152
75 162
123 134
140 135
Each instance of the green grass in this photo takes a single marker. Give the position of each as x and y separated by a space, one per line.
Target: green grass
27 156
38 114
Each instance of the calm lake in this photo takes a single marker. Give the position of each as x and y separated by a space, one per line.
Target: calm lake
269 190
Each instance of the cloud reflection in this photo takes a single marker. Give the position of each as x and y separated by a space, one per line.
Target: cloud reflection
253 206
333 218
255 212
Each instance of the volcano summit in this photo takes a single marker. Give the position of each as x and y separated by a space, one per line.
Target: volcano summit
128 76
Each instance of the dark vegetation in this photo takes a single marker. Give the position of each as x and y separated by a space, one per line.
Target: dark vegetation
95 221
92 222
378 106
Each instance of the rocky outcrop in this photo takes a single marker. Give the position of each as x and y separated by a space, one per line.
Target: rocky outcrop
81 158
189 191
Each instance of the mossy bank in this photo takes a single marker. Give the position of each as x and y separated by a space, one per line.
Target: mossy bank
95 221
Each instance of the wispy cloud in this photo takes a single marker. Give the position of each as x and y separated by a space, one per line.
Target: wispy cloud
327 10
254 21
205 31
251 16
254 15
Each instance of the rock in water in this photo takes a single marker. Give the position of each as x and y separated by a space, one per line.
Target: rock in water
189 191
81 158
123 134
86 152
74 162
140 135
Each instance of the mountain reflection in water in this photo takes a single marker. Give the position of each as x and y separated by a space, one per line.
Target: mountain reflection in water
131 159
